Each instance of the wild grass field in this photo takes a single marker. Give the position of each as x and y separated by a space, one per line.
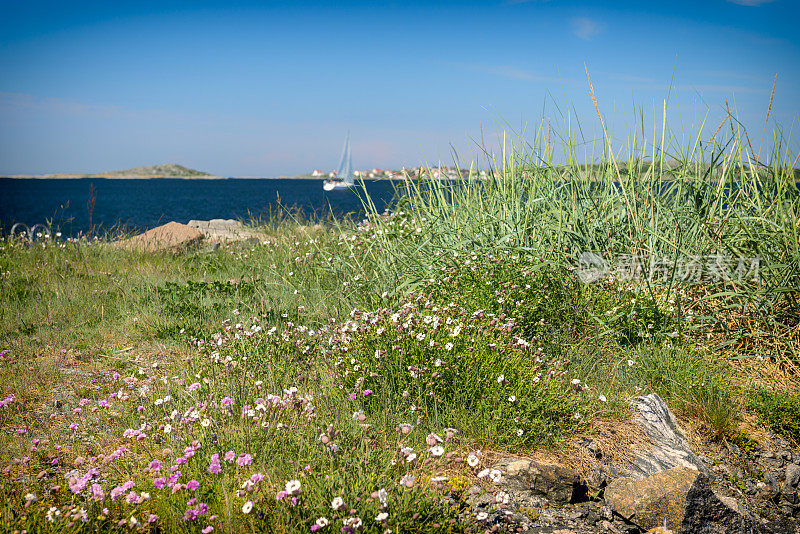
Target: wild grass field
362 376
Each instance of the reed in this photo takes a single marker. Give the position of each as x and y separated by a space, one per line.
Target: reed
705 200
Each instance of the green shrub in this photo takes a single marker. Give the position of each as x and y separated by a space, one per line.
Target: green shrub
459 368
536 295
780 411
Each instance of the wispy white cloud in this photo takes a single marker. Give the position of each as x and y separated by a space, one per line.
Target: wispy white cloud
507 71
730 74
503 71
629 78
586 28
721 88
516 2
753 3
25 102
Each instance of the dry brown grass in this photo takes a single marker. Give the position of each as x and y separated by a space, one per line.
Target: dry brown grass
760 349
615 439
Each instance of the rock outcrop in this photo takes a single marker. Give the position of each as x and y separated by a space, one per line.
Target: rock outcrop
221 230
668 446
172 236
556 483
708 512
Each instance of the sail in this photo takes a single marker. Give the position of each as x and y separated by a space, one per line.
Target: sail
348 177
345 169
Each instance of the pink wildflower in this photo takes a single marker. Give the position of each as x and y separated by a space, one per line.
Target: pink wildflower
97 492
214 467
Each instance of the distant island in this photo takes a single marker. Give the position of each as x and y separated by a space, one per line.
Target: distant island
167 170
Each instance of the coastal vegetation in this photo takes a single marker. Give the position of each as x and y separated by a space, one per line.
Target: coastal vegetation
362 375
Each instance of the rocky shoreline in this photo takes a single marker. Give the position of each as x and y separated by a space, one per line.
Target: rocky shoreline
667 488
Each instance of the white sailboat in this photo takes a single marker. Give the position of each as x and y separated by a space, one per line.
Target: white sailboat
344 173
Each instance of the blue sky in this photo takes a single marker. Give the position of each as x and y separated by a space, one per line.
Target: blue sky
262 88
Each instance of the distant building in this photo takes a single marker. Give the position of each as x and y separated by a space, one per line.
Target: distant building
317 172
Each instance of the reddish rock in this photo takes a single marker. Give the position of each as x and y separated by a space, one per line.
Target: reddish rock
171 236
649 502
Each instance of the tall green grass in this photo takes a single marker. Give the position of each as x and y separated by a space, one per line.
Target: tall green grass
659 200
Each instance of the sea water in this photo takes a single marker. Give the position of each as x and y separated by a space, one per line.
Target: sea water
136 204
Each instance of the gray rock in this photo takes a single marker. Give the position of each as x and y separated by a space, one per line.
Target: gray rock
793 475
652 501
669 446
222 230
708 512
791 497
480 500
606 513
733 448
217 224
559 484
772 482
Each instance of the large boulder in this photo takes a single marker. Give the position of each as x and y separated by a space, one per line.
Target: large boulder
558 484
649 502
171 236
667 445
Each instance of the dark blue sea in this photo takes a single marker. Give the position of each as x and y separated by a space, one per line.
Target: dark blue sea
141 204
